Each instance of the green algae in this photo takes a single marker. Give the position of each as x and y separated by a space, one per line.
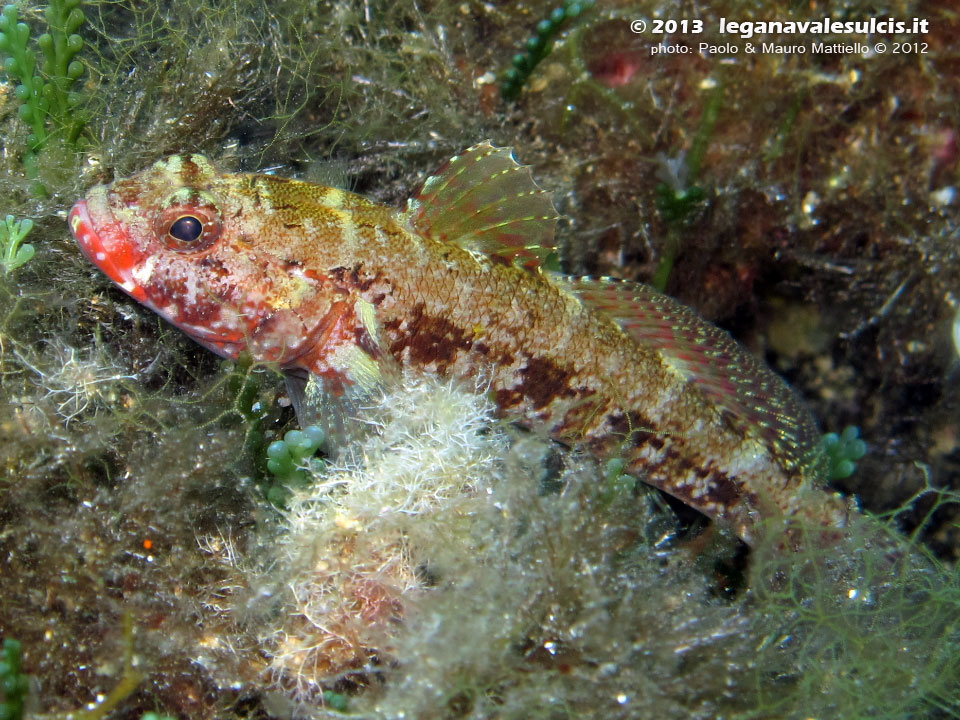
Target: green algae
49 103
538 46
14 683
13 251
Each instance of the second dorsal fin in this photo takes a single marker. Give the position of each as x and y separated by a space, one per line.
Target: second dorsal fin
727 373
484 201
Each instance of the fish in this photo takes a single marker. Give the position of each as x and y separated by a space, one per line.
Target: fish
339 292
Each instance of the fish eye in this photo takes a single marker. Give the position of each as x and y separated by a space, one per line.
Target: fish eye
186 229
189 222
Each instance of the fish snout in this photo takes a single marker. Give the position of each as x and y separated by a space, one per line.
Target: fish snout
105 243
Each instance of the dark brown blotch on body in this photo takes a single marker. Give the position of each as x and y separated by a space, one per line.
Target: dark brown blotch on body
427 339
366 342
721 489
543 381
354 278
712 486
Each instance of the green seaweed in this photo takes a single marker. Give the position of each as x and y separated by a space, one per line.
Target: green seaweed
842 451
14 684
618 485
537 47
13 251
336 701
292 463
48 102
870 629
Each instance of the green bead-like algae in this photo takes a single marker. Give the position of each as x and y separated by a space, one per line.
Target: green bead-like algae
842 451
46 86
291 461
538 46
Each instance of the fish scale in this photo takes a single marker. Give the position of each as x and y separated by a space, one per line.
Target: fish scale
341 293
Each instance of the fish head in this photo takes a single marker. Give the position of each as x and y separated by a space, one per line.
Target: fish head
180 238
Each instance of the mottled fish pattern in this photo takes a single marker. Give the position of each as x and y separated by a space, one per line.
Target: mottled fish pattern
335 289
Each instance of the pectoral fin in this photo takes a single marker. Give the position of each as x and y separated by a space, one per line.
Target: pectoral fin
340 373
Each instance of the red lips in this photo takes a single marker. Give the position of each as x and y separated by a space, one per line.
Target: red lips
106 248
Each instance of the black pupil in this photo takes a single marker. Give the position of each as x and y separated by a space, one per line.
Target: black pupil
186 229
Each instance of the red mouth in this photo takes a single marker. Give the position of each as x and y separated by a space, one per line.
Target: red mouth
107 245
106 249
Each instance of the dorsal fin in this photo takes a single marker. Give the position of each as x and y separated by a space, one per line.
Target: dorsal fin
755 398
483 200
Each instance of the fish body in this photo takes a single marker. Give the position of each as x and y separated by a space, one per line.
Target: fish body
334 288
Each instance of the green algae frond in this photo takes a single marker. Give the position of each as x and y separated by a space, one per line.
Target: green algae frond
14 684
13 251
870 631
50 105
538 46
